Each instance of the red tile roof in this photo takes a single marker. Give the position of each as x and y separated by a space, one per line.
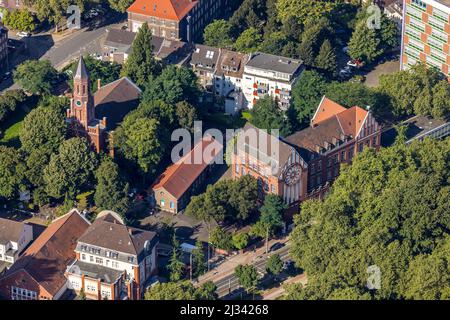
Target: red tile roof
326 109
164 9
49 255
181 175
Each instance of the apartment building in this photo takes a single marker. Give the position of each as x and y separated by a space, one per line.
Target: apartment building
182 20
113 261
266 74
426 34
14 238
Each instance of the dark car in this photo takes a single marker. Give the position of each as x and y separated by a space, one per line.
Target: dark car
276 246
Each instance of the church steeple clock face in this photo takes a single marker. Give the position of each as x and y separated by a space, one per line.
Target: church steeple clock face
292 174
78 103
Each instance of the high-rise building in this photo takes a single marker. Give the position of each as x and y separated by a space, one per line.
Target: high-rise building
426 34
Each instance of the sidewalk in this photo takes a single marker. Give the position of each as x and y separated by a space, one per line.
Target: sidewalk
227 267
274 293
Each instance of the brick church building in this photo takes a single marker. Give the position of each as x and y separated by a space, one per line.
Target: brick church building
95 116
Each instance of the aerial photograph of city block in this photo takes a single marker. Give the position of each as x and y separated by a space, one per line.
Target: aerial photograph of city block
266 151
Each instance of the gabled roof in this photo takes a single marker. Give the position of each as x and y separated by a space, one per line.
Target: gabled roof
181 175
109 232
165 9
275 63
231 63
205 57
326 109
10 230
48 256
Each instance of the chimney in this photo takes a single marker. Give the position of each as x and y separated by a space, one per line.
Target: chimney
99 84
334 141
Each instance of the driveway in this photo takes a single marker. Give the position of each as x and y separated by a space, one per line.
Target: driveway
373 77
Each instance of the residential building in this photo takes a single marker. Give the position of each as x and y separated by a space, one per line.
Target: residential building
394 11
204 62
182 20
228 79
12 4
266 74
117 47
278 167
426 34
335 136
88 114
39 272
14 238
174 188
113 261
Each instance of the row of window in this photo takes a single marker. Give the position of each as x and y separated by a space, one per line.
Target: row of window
22 294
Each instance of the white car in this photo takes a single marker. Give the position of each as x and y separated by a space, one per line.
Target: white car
23 34
352 63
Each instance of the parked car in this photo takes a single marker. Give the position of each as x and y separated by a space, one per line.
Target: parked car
276 246
23 34
124 27
355 63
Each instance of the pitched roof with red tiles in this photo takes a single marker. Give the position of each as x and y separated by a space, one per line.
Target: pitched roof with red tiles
47 258
164 9
181 175
331 121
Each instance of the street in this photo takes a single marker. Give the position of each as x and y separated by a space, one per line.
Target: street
229 284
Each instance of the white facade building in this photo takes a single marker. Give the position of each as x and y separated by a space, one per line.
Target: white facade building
266 74
14 238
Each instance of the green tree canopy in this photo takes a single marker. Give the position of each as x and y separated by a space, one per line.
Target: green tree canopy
266 114
182 290
274 264
71 169
141 65
221 239
248 41
11 172
36 76
388 209
120 5
247 276
111 192
217 34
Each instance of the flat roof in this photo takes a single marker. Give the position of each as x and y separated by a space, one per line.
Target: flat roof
274 63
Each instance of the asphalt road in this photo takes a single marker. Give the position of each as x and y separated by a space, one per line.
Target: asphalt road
230 283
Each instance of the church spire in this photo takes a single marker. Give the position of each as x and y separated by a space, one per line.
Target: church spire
81 70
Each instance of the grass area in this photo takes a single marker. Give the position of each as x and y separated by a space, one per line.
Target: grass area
225 121
11 128
246 115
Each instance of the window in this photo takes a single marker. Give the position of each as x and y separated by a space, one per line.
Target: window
374 141
319 166
209 54
336 158
171 204
313 168
237 168
114 264
342 155
91 258
130 259
83 257
329 174
319 180
91 288
22 294
360 147
273 189
329 162
162 202
99 260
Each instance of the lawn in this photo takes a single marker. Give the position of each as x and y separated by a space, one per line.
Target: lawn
11 128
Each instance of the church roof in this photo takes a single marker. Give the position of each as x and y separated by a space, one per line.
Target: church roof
81 70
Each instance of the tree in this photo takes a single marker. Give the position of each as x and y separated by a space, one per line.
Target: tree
120 5
186 115
20 19
274 43
221 239
248 41
306 95
388 209
243 196
141 65
139 141
43 128
303 10
389 33
182 290
364 44
175 264
9 101
240 240
36 76
274 265
326 60
111 192
175 84
198 259
217 34
247 276
71 169
441 98
11 172
271 217
82 295
306 52
267 115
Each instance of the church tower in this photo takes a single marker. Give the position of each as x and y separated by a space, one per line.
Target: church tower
81 105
